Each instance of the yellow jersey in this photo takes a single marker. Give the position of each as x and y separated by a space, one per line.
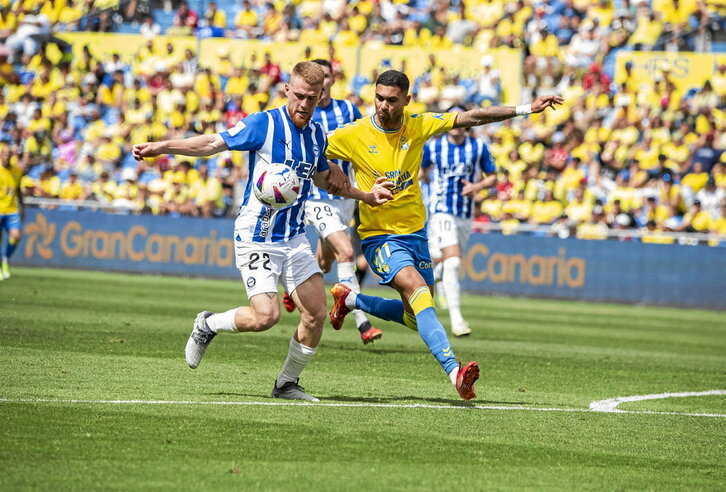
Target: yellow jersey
395 155
9 186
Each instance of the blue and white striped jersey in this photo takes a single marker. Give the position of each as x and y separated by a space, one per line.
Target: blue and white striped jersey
451 166
271 136
338 113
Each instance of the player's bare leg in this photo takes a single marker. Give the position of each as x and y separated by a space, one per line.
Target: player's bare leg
324 255
310 299
451 264
262 313
339 244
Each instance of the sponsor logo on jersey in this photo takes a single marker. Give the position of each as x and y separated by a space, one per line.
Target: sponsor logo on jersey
265 222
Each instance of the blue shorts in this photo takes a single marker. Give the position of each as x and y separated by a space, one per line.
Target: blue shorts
388 254
10 222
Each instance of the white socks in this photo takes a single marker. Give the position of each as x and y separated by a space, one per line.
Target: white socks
453 375
452 290
298 356
346 276
222 321
350 300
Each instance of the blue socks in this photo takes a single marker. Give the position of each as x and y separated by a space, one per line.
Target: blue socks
429 327
10 248
434 335
387 309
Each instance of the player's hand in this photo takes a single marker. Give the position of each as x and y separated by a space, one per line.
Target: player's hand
146 149
380 193
470 189
337 180
544 102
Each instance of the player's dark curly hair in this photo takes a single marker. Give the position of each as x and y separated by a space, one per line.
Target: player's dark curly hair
323 62
394 78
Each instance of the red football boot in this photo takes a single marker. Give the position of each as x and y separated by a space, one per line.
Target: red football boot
465 380
371 334
339 310
288 303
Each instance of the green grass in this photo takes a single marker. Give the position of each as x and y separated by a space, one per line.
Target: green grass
98 336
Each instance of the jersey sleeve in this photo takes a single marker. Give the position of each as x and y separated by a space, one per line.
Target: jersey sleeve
322 164
485 161
435 123
426 159
356 112
340 144
247 134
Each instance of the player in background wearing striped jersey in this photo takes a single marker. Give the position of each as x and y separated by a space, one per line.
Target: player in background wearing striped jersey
331 215
11 199
454 165
390 144
271 246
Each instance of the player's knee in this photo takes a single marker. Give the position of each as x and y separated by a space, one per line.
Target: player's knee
344 255
15 235
267 320
452 262
314 318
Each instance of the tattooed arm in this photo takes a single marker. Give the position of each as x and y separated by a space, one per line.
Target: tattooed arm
482 116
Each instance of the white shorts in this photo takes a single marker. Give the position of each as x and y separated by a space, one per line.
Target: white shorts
263 265
447 230
329 216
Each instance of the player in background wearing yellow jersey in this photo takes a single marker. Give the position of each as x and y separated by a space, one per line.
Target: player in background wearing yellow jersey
10 201
390 144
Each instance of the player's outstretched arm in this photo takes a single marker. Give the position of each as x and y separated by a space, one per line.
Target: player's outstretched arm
482 116
201 145
380 192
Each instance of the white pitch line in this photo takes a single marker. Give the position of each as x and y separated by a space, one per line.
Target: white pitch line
345 405
611 405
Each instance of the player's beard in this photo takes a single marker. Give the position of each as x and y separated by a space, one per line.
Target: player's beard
300 120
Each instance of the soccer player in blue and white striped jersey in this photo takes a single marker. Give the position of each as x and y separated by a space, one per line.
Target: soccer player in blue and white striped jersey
271 246
455 164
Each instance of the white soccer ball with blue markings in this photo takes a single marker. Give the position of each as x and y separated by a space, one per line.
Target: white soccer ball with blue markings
277 186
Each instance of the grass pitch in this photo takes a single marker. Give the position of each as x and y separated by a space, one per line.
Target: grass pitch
72 335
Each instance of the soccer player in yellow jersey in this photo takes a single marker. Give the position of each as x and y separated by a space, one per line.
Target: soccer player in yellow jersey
390 144
10 201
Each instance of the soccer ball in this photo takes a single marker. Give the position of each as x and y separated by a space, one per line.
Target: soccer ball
277 186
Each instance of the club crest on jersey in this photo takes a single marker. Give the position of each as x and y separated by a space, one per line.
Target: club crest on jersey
404 143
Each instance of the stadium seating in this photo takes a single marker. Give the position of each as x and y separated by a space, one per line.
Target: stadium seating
605 144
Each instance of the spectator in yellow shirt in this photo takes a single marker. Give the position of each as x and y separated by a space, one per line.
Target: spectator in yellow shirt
73 189
246 21
653 234
215 17
595 228
547 210
647 31
207 192
518 207
697 219
579 210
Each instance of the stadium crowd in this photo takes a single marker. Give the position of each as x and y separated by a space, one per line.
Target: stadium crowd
620 154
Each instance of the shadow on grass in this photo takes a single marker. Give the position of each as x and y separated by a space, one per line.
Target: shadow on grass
399 400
